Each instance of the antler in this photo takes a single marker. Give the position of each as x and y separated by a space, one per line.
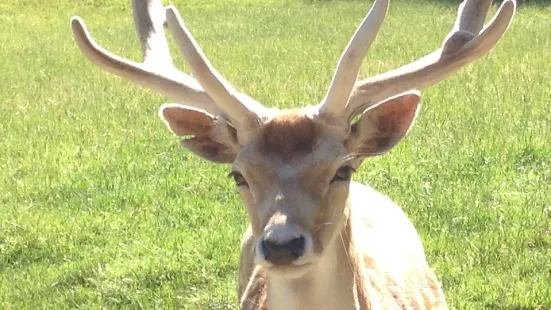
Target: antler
344 98
157 71
465 44
351 59
220 90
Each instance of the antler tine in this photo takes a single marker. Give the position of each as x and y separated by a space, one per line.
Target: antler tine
157 72
460 48
149 18
471 15
225 96
351 59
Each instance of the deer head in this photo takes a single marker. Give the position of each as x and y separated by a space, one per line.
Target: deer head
293 167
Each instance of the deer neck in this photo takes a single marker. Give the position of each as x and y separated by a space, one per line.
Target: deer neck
338 281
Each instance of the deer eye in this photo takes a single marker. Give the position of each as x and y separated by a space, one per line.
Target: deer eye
343 174
238 178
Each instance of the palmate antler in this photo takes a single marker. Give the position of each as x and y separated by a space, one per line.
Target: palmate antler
346 97
465 44
209 92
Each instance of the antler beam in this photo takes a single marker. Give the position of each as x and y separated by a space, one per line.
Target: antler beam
464 45
220 90
210 92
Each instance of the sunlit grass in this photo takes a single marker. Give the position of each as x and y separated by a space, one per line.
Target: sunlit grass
99 207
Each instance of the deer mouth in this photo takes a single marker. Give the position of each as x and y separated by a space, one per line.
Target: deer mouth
288 271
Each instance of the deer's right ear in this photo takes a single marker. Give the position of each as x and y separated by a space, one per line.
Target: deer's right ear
209 137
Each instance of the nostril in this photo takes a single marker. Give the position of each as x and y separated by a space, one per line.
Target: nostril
296 246
283 252
269 246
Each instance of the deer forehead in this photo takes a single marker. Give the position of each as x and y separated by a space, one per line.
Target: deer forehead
289 136
290 145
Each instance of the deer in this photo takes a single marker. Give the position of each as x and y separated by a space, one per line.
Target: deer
316 239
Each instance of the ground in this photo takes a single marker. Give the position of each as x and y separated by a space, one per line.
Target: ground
99 207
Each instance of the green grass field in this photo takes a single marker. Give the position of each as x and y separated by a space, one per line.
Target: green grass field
100 208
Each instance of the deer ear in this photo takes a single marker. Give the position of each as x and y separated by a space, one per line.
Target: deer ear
206 135
382 126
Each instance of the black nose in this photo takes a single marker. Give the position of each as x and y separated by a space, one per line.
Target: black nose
284 253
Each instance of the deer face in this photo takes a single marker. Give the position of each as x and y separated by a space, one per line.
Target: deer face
293 177
293 172
293 168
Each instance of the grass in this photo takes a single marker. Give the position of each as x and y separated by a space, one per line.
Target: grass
100 208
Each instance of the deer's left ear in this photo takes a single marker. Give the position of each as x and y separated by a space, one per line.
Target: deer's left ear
382 126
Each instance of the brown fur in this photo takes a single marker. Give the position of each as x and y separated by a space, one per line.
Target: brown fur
365 253
289 135
289 165
371 283
359 268
255 296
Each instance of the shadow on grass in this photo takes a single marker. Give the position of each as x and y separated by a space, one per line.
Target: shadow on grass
520 3
453 3
539 307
